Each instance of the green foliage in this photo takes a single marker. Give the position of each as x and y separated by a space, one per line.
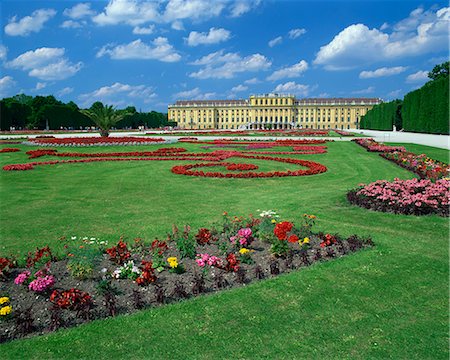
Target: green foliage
439 71
427 109
104 117
186 244
383 116
82 261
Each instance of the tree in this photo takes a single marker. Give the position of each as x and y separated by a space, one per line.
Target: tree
104 117
439 71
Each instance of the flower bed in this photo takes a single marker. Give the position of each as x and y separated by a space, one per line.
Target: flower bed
422 165
343 133
95 279
410 197
286 142
170 154
94 141
373 146
8 150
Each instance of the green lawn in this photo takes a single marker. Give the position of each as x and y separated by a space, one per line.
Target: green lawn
387 302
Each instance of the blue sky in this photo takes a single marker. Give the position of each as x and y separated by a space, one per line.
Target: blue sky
151 53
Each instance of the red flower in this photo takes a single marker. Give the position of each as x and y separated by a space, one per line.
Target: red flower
203 236
281 229
293 238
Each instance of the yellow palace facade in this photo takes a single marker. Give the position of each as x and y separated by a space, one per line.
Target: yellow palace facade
271 111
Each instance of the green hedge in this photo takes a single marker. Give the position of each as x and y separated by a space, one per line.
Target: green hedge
383 116
427 109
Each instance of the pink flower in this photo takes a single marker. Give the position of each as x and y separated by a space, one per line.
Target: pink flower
42 283
245 232
22 277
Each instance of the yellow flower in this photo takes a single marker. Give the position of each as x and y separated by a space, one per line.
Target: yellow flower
6 310
173 263
244 251
4 300
273 221
306 240
312 216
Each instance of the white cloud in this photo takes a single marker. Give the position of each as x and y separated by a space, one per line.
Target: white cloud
3 52
225 66
240 7
79 11
214 36
193 94
421 33
46 64
29 24
60 70
64 91
70 24
384 71
129 12
420 76
40 85
192 9
384 26
276 41
118 94
177 25
159 50
295 33
6 83
239 88
293 71
252 81
144 30
293 88
368 90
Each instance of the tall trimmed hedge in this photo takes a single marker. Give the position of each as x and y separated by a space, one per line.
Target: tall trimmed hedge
383 116
427 109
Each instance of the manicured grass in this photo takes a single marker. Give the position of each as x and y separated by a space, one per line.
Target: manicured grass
387 302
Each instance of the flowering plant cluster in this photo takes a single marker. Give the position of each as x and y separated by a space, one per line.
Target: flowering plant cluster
175 266
243 237
203 236
6 264
206 259
40 256
373 146
343 133
119 253
72 299
328 240
422 165
90 141
8 150
263 247
5 307
147 274
127 271
410 197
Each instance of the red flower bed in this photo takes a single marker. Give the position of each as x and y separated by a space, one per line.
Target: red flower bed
287 142
85 141
410 197
170 154
373 146
313 168
160 152
7 150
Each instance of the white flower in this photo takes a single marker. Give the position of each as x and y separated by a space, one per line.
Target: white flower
92 238
85 238
73 238
104 270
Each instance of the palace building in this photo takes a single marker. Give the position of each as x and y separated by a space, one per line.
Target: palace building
271 111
